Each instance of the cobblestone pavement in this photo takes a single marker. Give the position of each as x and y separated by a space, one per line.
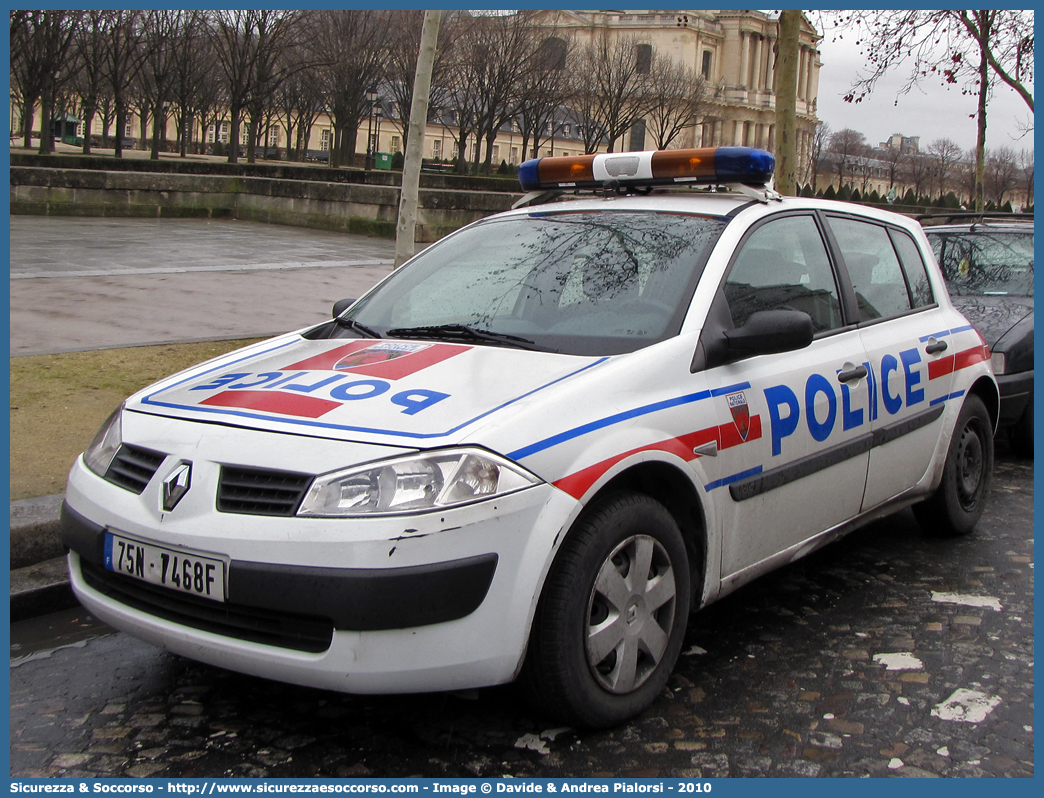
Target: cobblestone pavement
887 654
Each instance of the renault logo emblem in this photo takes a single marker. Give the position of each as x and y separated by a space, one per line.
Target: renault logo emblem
176 485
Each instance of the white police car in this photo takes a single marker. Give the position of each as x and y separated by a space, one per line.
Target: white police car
535 448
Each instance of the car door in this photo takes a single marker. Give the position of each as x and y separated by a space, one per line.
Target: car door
793 446
908 342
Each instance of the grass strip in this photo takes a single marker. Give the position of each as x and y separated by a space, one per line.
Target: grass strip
58 402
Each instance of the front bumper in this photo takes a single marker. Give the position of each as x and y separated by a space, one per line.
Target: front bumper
358 599
435 601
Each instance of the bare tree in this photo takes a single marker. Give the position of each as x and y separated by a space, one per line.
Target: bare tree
124 58
246 42
786 66
817 155
977 48
194 64
1002 173
88 79
845 147
677 98
404 46
42 41
545 89
1026 176
919 173
895 160
159 72
494 53
353 47
300 100
947 155
611 88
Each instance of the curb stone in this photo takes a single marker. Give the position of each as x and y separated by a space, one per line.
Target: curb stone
39 580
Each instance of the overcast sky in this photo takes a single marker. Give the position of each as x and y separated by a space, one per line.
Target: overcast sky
931 111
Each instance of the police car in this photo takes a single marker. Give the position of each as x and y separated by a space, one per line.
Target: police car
531 451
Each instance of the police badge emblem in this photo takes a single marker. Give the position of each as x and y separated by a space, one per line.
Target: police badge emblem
740 413
378 353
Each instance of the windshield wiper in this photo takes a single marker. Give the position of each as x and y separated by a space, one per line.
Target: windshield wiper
352 324
462 332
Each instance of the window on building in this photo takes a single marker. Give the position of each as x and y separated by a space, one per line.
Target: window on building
128 130
436 150
706 71
637 140
643 58
566 129
496 153
553 53
324 139
395 145
273 137
514 155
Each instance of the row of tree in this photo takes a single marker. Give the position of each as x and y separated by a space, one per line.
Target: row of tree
270 69
943 168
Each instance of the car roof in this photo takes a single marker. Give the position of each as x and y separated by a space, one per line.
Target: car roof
719 204
971 222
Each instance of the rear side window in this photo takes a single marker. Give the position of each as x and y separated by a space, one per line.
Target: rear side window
913 265
784 265
873 265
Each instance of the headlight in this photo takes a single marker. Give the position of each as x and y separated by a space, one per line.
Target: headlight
415 483
997 360
105 444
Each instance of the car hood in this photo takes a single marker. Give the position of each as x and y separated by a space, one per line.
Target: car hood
391 392
993 316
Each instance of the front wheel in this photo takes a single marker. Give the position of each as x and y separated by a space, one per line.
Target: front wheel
957 504
612 615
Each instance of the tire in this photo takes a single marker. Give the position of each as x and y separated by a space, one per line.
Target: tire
600 650
1021 435
957 504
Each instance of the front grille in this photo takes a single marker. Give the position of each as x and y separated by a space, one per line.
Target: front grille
254 491
282 629
132 467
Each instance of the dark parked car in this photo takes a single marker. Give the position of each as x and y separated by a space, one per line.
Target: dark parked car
988 266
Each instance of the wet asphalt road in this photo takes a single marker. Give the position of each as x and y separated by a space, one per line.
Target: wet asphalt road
93 283
847 663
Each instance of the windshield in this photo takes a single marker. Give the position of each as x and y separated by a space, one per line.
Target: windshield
591 283
983 262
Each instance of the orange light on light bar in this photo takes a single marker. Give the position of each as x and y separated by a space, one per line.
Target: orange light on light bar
697 164
566 170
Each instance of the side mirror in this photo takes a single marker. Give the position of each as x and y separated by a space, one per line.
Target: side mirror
341 305
770 331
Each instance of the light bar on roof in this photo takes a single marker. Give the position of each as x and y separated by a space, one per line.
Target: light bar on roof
702 165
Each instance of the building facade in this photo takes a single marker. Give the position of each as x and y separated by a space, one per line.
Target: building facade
735 52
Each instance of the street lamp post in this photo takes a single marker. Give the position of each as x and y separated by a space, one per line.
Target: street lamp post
371 99
377 139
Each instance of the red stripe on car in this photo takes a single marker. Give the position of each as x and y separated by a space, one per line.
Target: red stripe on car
273 402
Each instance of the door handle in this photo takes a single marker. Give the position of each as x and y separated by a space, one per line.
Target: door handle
852 374
935 347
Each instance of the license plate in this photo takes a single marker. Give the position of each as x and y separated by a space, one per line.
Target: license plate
184 571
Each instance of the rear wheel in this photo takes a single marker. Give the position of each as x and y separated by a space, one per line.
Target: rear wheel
957 504
611 618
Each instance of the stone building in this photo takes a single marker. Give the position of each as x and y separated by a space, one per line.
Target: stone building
735 51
